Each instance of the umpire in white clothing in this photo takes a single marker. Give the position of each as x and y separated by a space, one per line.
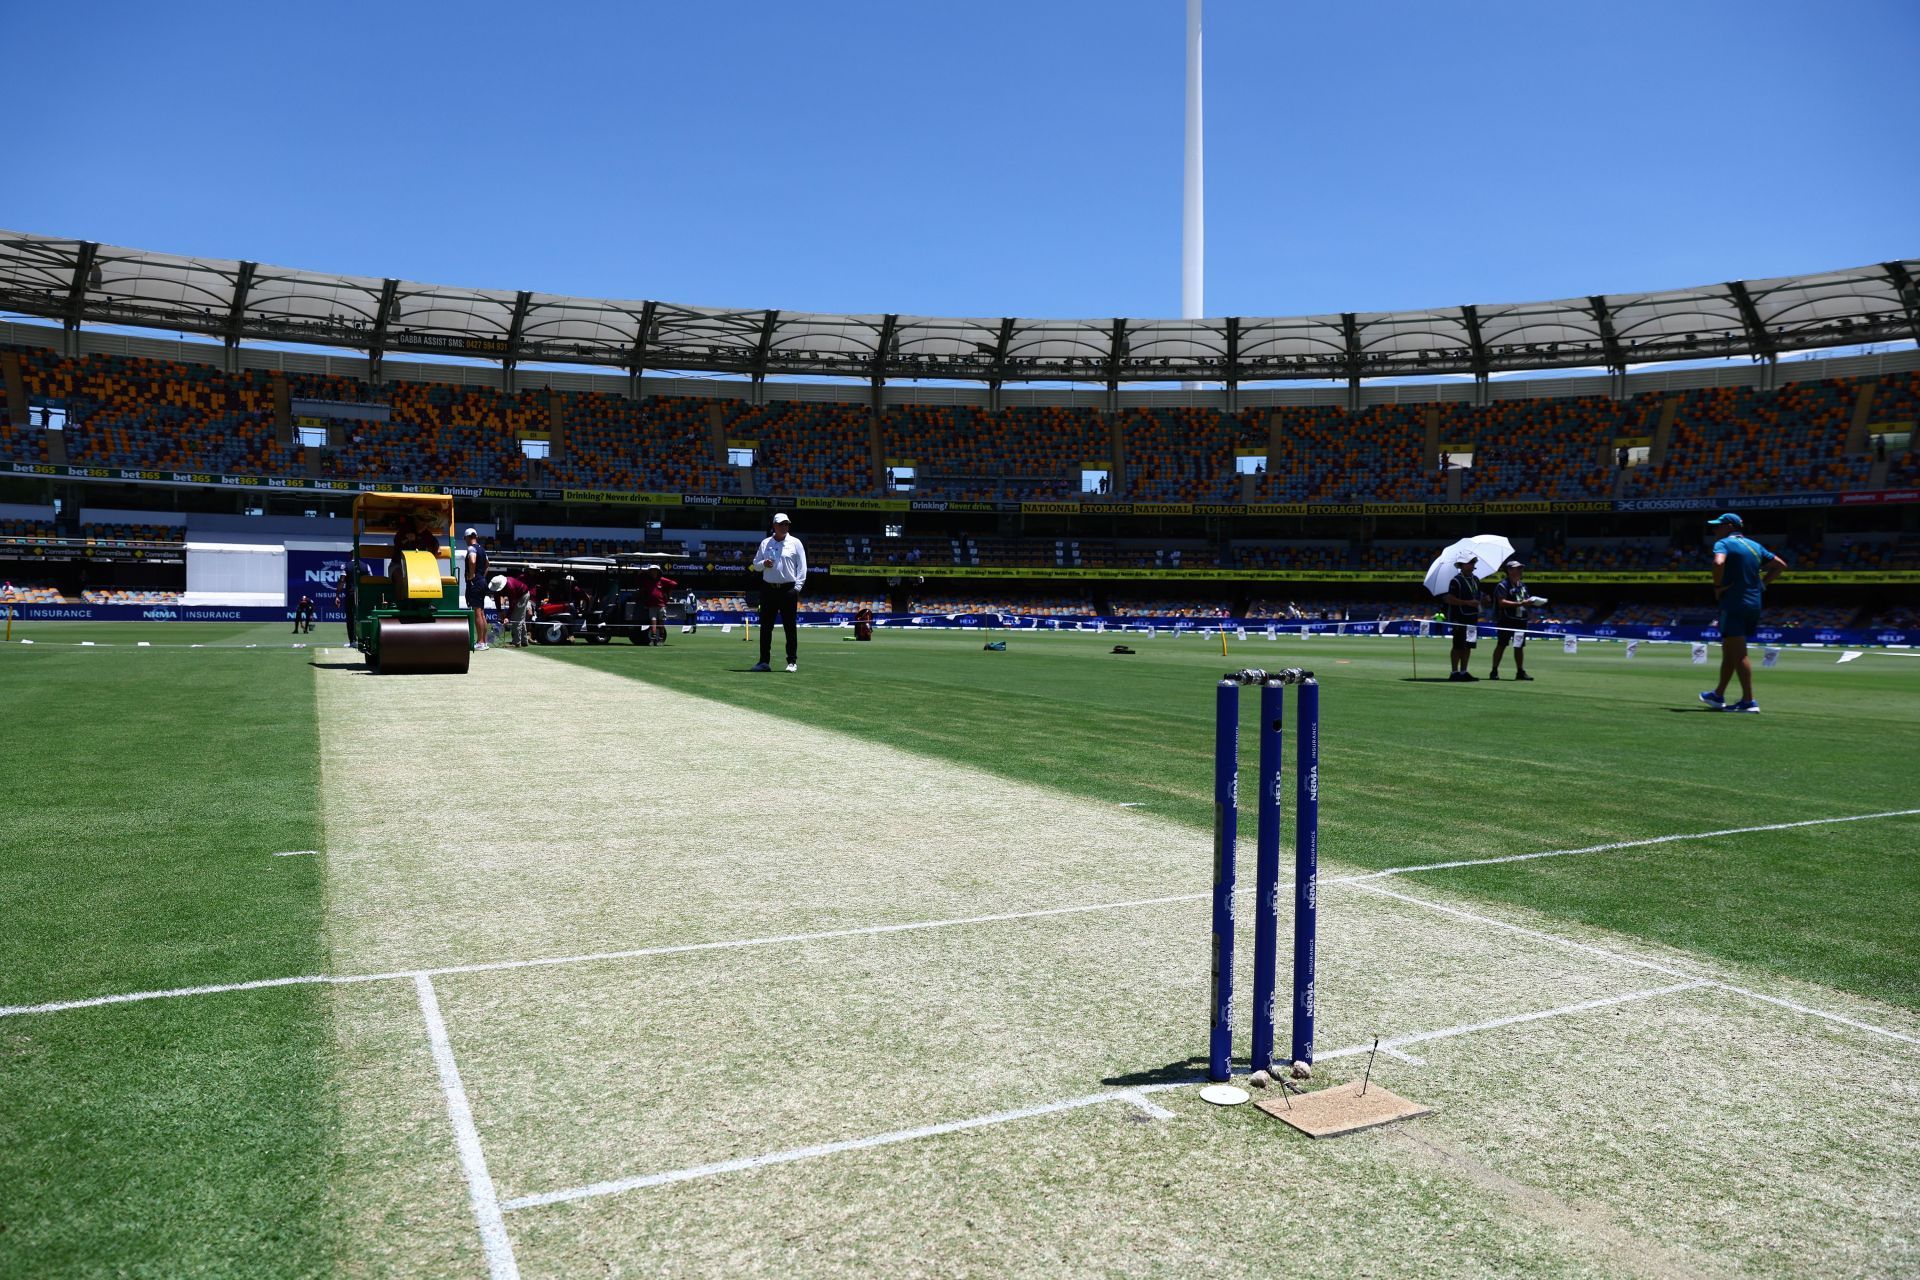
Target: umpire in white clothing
782 563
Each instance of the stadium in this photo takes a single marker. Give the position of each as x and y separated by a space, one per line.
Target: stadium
349 934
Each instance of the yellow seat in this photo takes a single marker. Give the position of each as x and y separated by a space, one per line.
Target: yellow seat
420 571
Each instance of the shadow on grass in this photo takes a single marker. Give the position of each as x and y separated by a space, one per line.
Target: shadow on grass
1191 1071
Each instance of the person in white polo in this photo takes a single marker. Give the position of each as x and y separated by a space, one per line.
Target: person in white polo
782 563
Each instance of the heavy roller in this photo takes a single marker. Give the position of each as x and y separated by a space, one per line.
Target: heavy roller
408 619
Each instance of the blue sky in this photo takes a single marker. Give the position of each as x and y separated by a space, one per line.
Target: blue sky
987 158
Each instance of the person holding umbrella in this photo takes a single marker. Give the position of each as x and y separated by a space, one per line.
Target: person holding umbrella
1455 577
1463 601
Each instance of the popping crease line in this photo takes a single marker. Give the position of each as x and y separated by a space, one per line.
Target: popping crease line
638 953
1135 1096
1361 880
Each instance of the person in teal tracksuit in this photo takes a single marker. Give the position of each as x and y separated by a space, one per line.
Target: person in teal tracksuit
1742 569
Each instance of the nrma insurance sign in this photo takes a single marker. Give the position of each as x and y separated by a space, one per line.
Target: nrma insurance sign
316 574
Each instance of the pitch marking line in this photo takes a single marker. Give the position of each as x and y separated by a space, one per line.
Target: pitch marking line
1622 844
1135 1096
1620 958
1362 881
473 1162
1420 1037
640 953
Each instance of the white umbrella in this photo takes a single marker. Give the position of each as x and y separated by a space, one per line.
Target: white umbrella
1488 551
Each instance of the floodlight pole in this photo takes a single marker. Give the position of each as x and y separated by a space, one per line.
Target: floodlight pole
1193 231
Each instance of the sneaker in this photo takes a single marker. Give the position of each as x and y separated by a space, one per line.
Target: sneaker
1747 705
1713 699
759 666
794 666
1458 676
481 647
1493 675
1523 676
1468 675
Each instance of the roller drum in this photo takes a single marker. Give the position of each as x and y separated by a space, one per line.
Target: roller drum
423 647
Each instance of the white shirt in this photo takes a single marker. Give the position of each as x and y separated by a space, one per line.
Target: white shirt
789 560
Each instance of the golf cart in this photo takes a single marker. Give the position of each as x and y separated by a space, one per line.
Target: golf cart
591 598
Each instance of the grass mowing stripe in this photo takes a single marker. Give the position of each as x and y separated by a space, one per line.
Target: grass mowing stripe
1597 750
147 791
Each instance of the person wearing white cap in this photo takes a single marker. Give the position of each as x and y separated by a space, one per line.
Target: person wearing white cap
782 563
476 580
515 599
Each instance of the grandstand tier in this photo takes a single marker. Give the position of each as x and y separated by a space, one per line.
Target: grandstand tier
1805 438
1187 514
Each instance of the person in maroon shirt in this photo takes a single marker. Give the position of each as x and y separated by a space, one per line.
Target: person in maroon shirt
656 585
516 599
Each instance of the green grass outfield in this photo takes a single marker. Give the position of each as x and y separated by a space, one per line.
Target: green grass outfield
1614 1097
146 792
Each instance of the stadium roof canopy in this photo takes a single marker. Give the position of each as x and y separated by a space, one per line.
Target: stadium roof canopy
79 282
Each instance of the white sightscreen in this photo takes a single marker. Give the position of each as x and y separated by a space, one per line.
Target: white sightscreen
226 569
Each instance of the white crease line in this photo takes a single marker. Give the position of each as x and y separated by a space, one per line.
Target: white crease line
298 853
1465 1029
1135 1096
861 931
618 1185
1619 958
1407 1058
60 1006
1523 931
1139 1099
473 1162
1620 844
1812 1012
640 953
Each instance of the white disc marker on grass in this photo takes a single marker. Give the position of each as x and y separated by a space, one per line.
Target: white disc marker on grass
1224 1095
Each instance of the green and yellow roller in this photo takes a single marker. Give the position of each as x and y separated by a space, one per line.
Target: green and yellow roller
409 618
